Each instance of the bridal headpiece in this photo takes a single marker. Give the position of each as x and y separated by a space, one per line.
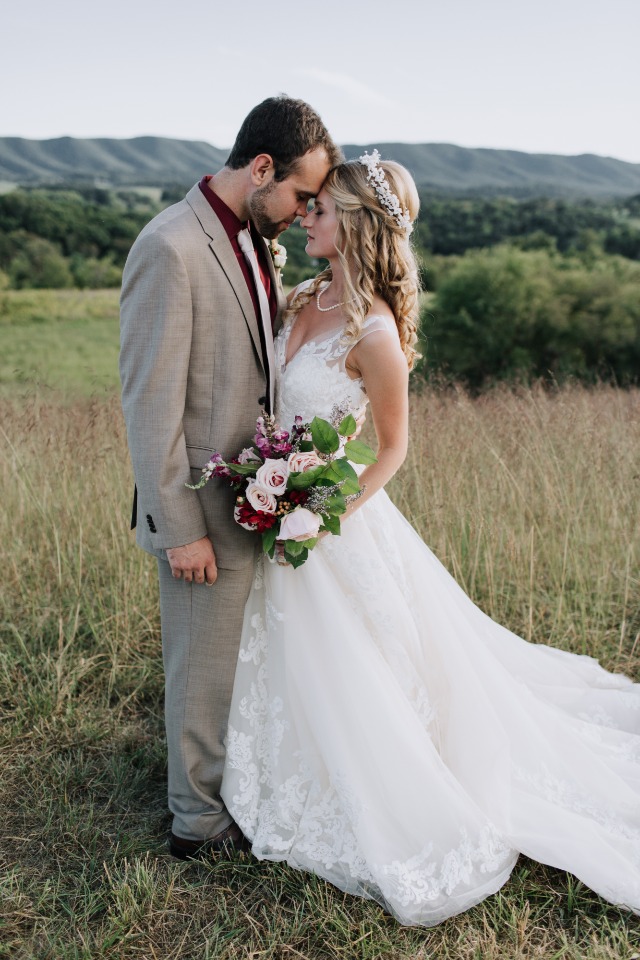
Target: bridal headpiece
388 199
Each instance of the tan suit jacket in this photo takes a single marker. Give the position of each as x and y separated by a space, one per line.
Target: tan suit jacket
193 376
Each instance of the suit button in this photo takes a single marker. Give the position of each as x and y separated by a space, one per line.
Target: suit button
262 401
152 525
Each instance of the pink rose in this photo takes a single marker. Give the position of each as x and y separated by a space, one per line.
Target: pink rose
272 476
259 498
248 456
300 524
299 462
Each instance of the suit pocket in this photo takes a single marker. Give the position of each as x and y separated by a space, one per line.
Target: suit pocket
198 456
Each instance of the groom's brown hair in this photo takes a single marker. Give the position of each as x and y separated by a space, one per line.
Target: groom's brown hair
284 128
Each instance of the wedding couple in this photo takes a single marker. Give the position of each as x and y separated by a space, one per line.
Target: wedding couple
357 717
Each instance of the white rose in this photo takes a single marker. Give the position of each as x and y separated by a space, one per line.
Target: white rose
299 525
259 498
272 476
299 462
279 254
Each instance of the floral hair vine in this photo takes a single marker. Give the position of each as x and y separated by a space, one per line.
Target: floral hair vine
386 196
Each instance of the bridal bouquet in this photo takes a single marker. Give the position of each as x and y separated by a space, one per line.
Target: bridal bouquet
293 486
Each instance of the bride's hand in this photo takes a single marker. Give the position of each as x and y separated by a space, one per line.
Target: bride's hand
360 422
279 554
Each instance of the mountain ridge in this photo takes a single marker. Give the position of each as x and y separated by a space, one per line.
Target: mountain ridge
439 167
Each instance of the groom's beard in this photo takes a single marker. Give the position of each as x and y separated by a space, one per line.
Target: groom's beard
259 213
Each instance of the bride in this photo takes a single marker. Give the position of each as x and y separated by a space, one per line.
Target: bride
384 733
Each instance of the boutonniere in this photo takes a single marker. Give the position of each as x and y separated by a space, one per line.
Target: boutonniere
278 254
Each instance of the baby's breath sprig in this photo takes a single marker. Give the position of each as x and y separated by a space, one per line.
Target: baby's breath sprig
320 496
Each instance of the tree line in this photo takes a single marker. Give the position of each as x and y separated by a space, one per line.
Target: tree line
68 238
536 288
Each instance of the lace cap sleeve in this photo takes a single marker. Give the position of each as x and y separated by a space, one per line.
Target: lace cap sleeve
375 322
303 285
299 288
372 324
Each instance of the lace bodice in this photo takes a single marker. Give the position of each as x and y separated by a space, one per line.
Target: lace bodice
315 379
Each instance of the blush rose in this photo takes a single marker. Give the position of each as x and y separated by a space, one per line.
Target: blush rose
272 476
299 525
299 462
259 498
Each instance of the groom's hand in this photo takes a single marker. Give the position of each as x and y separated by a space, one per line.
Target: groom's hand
194 562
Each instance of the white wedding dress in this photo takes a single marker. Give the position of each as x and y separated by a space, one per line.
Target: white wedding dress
390 737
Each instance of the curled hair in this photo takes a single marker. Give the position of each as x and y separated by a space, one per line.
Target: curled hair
375 252
284 128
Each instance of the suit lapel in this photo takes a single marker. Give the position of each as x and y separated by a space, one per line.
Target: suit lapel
222 250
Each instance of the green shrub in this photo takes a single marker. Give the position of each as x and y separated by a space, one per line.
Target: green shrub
95 274
40 265
505 314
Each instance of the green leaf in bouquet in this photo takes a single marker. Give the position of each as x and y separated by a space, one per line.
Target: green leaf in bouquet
269 540
325 438
349 487
335 504
298 560
245 469
340 471
332 524
304 479
359 452
293 548
348 426
343 470
296 552
305 446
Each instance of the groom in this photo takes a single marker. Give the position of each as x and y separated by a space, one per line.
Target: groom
200 302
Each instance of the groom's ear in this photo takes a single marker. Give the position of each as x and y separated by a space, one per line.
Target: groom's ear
261 169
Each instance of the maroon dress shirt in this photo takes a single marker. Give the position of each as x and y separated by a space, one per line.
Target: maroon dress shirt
233 226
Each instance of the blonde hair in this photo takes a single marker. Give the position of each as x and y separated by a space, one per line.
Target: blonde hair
375 252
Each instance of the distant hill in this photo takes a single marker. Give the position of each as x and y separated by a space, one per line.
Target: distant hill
141 161
441 167
447 168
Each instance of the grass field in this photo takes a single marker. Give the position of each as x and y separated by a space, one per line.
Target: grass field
65 340
530 498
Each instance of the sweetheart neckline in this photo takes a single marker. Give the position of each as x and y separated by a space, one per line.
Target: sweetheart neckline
315 340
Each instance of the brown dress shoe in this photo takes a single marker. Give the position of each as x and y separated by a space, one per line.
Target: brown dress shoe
231 838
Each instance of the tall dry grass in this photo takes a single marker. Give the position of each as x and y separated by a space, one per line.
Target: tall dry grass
531 500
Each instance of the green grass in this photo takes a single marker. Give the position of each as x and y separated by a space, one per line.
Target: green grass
66 340
62 341
530 498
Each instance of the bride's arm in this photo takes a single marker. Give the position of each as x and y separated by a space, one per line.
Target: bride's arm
379 360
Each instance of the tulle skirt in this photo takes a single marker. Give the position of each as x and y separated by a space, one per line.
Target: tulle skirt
390 737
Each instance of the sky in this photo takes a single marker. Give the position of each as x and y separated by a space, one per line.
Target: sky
550 76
